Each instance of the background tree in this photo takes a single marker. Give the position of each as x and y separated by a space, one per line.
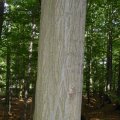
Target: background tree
18 49
1 14
101 48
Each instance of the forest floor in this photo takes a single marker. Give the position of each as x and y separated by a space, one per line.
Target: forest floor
19 110
92 111
96 111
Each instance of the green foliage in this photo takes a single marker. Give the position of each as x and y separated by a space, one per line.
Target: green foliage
19 19
102 19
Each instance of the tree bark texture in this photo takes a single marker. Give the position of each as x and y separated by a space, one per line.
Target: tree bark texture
60 60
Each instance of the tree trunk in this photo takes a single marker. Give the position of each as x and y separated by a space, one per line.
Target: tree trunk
118 89
7 99
109 62
109 50
1 15
60 60
88 71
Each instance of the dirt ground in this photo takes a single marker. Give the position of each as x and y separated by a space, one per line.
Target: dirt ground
94 110
91 111
17 111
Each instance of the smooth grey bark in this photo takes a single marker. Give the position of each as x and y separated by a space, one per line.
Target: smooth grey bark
60 60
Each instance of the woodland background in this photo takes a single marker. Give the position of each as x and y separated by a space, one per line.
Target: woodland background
19 30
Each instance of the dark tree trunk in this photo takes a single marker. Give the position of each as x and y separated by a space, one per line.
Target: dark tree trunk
88 56
109 49
118 89
1 15
8 81
88 69
109 61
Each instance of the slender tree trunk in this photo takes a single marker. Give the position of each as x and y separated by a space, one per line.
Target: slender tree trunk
1 15
17 64
103 76
115 77
109 49
88 53
60 60
88 71
8 82
118 89
109 62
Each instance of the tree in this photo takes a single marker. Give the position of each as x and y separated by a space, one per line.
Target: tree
8 81
60 61
109 48
1 15
118 89
20 32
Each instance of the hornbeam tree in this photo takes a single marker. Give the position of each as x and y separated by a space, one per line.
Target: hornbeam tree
60 60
